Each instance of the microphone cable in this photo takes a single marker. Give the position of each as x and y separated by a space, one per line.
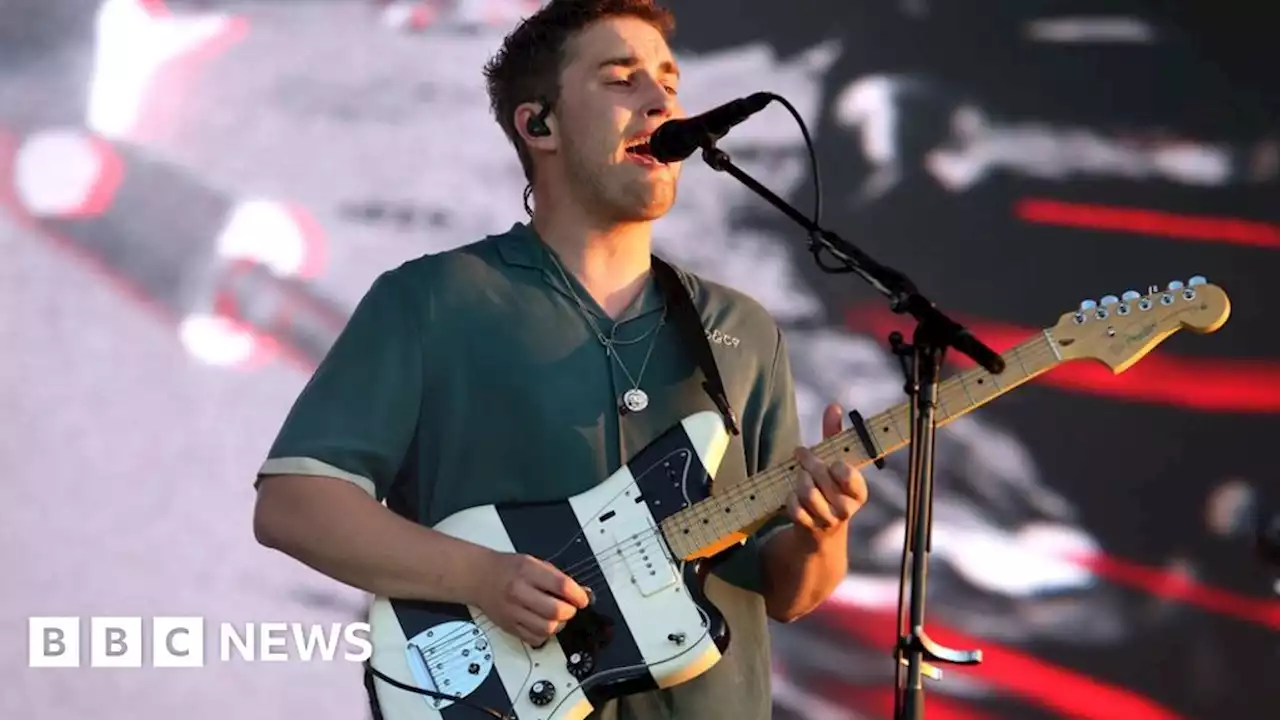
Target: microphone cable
482 709
816 246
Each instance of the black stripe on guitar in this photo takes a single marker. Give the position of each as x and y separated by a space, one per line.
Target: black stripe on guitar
666 471
551 531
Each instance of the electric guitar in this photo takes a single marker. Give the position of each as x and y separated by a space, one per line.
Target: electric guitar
640 542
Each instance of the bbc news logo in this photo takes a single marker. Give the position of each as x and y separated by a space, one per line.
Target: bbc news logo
179 642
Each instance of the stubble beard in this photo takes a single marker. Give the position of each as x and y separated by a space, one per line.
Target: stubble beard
620 193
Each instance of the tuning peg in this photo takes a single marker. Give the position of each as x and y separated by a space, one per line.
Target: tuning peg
1130 295
1088 305
1110 300
1175 286
1197 280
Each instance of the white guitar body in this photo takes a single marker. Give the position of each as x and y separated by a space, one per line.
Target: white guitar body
648 626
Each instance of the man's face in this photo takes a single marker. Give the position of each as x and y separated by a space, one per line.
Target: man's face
618 86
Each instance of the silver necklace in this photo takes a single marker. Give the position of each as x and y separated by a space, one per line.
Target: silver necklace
635 399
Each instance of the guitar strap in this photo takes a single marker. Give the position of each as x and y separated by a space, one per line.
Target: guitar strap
689 324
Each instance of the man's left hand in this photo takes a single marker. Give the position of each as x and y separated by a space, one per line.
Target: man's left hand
826 495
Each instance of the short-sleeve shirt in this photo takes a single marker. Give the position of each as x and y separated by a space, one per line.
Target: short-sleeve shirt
473 377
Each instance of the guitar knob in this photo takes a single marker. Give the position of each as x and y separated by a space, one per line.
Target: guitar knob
1197 280
542 692
1175 286
1088 305
580 664
1130 295
1110 300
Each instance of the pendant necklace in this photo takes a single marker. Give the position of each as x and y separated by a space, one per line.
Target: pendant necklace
634 400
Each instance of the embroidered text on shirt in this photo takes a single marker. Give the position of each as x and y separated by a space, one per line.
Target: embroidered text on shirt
720 338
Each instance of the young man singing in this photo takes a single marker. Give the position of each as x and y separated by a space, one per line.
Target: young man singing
530 365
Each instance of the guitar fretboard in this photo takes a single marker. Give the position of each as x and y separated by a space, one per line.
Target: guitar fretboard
706 527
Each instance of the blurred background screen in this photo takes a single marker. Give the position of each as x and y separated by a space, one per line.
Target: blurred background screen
172 174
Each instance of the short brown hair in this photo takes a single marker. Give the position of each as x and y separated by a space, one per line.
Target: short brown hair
527 66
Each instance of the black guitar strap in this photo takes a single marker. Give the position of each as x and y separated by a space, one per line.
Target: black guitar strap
689 324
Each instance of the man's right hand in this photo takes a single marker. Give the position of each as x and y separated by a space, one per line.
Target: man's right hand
530 598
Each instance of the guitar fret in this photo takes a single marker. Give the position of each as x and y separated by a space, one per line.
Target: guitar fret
958 395
773 493
719 521
710 522
985 391
700 533
964 385
1018 355
889 421
707 527
696 532
992 389
846 446
694 528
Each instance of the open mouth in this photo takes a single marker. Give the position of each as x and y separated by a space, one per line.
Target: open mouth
638 151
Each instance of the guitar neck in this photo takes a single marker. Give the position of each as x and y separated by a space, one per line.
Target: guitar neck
722 520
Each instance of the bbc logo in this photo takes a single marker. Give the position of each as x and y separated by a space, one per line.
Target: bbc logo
55 642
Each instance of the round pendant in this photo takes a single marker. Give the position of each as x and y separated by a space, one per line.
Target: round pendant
635 400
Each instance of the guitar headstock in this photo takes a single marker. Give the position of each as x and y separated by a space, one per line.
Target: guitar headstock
1119 331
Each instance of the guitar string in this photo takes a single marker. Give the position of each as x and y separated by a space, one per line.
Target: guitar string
732 494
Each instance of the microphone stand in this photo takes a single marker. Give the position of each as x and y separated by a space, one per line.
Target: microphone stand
922 361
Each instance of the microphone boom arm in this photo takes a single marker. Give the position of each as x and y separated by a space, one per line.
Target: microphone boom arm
903 296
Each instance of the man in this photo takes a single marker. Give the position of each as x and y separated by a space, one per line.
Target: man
531 365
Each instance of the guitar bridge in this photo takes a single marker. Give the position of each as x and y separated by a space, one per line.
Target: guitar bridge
452 658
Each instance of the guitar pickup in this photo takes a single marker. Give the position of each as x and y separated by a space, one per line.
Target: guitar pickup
639 546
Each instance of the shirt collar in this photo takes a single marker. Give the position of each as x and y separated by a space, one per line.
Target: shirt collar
521 247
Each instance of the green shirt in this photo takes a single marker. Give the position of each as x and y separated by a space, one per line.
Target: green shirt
472 377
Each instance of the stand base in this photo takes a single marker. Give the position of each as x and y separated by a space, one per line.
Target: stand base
930 671
921 649
930 650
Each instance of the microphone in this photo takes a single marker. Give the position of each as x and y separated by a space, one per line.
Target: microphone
676 140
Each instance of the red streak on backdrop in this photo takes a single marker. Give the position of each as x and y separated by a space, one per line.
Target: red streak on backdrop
1235 231
1177 586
